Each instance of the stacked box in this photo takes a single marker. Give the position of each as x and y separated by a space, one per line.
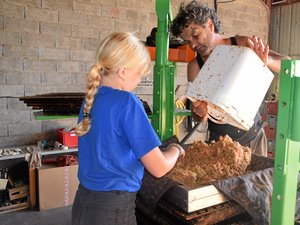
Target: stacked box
57 186
269 111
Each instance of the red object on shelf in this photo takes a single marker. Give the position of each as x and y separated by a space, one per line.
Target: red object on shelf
270 132
68 138
272 107
180 54
264 117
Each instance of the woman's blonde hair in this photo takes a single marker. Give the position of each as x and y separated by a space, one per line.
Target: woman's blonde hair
119 49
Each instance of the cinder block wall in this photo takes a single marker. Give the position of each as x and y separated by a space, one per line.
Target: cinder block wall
47 46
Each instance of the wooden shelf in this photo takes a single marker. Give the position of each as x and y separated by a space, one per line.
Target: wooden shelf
60 105
55 105
22 155
181 54
14 207
59 151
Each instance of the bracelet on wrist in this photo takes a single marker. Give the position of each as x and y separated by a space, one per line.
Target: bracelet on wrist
181 150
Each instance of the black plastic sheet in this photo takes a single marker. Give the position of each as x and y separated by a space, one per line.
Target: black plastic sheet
253 191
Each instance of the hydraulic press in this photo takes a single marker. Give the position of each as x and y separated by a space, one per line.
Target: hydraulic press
287 149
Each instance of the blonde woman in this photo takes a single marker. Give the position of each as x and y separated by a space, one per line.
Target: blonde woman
116 140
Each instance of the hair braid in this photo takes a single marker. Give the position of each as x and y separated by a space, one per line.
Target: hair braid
93 83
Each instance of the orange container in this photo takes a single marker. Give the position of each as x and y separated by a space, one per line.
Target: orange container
185 54
69 138
181 54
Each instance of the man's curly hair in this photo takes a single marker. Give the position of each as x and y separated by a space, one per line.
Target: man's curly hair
193 12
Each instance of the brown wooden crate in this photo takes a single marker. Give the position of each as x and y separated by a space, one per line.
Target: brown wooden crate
14 207
18 192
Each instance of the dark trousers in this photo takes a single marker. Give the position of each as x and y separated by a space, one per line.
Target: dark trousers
107 208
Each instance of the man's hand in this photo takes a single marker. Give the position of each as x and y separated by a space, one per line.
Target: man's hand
199 108
259 48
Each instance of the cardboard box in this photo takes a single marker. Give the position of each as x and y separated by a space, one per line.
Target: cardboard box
57 186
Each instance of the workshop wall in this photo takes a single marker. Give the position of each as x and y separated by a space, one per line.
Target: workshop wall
284 35
47 46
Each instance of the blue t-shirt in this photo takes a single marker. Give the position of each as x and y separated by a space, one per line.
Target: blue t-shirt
109 154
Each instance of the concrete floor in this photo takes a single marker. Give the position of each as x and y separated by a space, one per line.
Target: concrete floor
62 216
58 216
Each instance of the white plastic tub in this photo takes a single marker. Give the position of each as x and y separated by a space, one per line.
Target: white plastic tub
234 82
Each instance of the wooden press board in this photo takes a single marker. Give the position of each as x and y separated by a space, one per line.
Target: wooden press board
191 200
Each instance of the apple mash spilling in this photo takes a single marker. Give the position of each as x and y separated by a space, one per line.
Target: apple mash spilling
205 163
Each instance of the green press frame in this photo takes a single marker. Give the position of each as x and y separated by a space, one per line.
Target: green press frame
162 119
287 157
287 149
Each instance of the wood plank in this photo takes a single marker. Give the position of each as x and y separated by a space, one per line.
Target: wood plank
56 103
14 207
62 103
274 29
285 29
194 199
274 45
295 30
210 215
32 188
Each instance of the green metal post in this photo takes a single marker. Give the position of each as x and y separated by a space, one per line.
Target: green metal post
163 86
286 167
